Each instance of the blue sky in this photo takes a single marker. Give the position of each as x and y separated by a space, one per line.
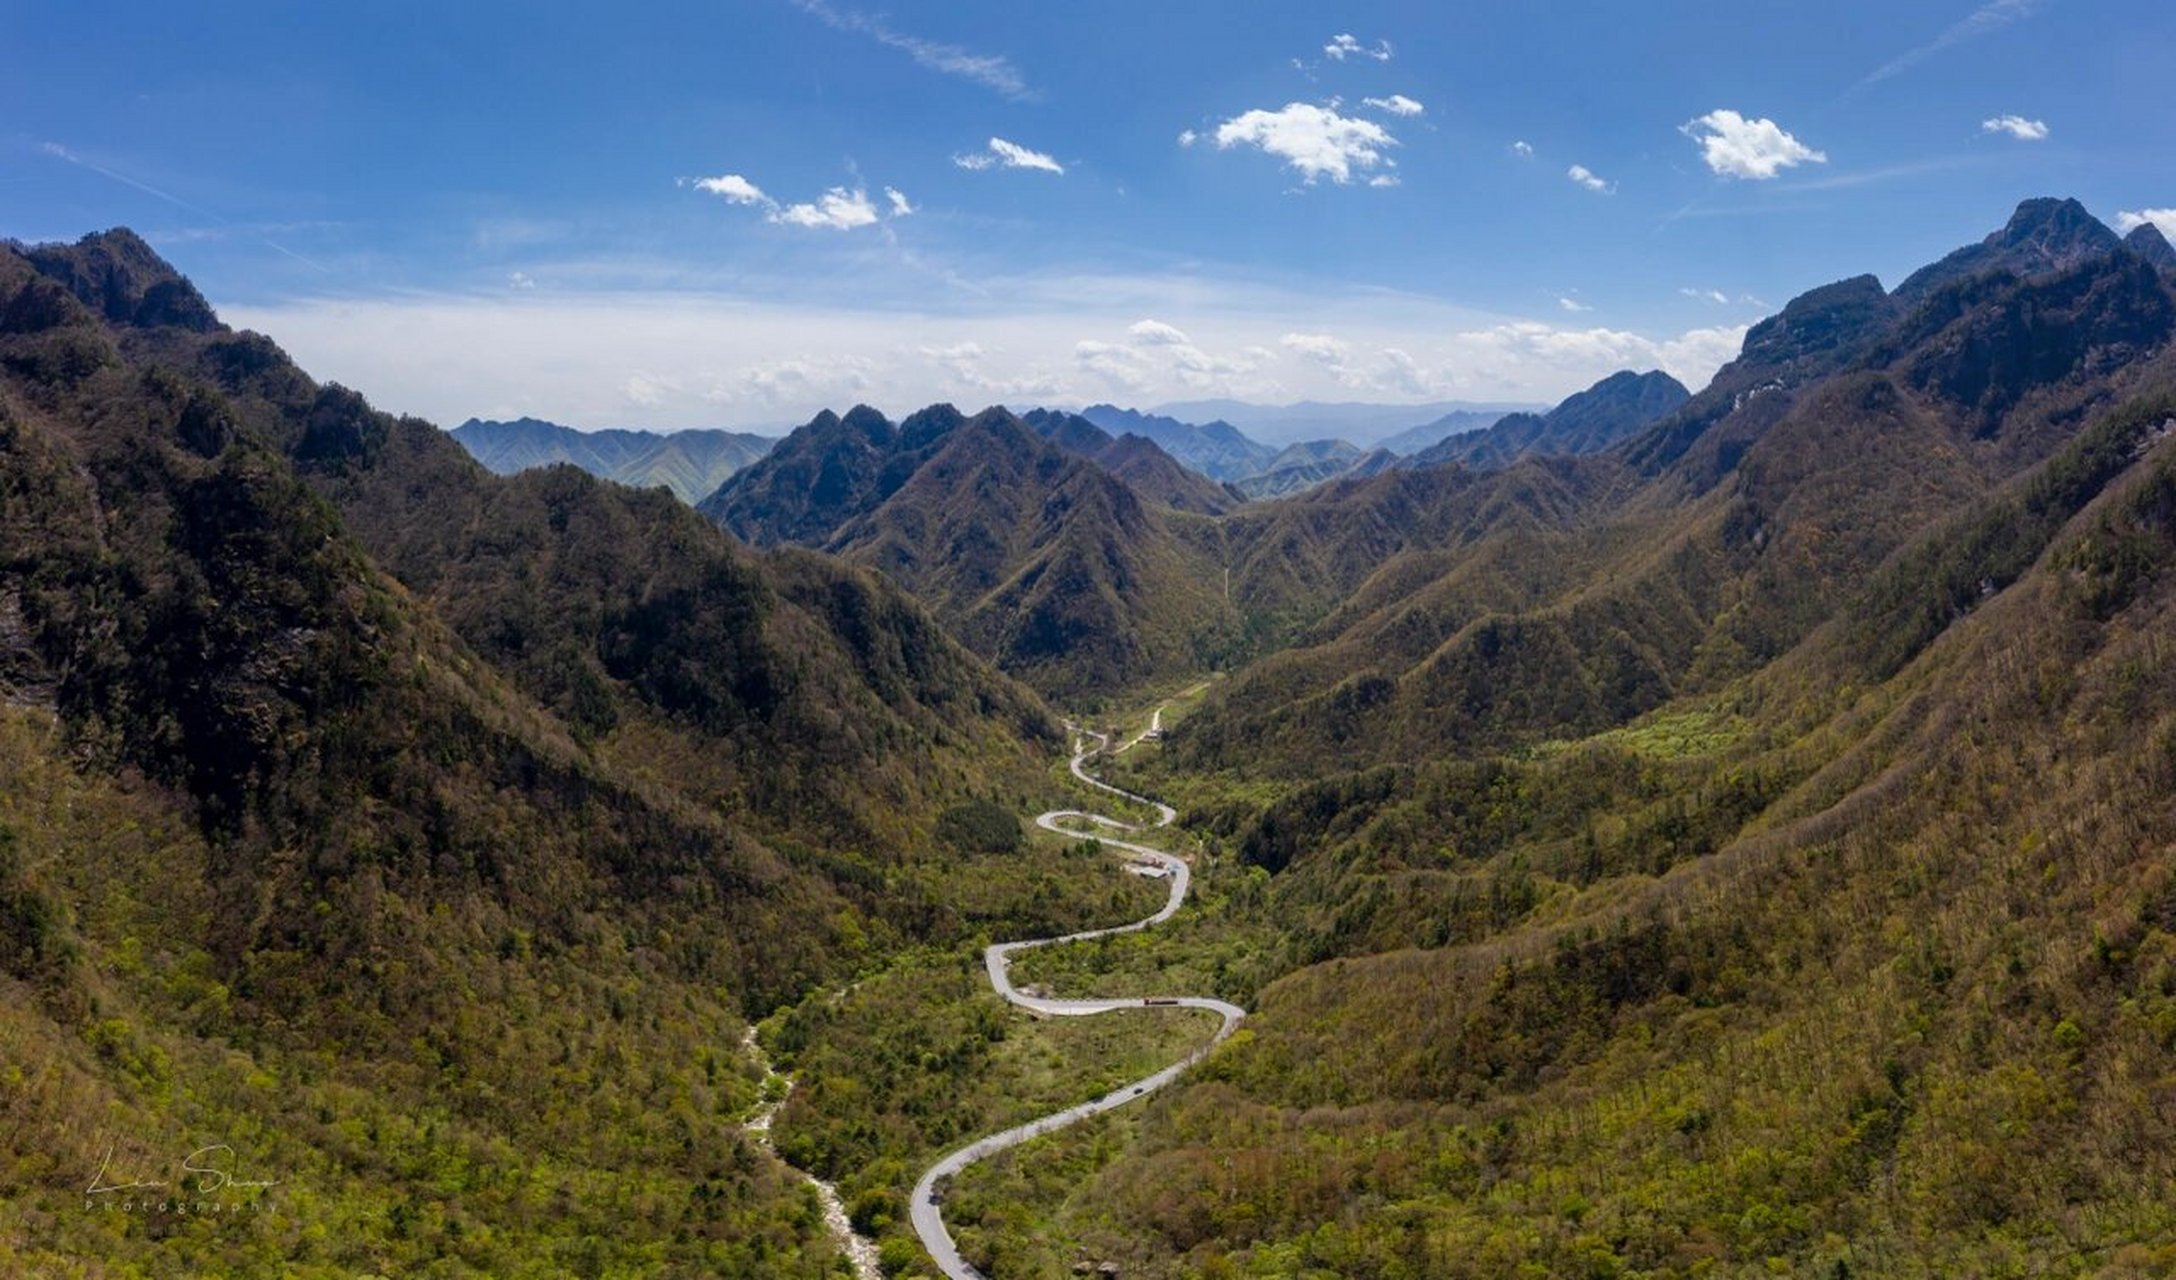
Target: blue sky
673 215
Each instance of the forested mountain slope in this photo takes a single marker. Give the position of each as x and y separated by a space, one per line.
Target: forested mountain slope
1590 421
1862 965
1039 558
365 809
1713 542
1844 947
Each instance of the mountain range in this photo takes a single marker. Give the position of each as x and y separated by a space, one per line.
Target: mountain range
1611 410
1366 424
1750 849
691 463
1721 833
356 793
1060 570
1215 448
1458 422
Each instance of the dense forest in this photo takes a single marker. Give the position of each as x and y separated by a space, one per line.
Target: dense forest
423 837
1740 851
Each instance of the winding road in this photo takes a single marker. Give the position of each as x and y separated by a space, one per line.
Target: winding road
926 1206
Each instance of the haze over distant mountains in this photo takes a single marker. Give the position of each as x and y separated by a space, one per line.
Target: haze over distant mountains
1212 446
1609 411
691 463
1365 424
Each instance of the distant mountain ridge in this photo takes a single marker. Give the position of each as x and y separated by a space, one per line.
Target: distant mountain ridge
1215 448
1299 467
691 463
1457 422
1137 460
1611 410
1035 555
1365 423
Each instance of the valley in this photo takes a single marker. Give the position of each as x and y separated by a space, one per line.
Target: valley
1714 832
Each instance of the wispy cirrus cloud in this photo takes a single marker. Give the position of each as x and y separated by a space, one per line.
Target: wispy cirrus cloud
992 71
62 153
1991 16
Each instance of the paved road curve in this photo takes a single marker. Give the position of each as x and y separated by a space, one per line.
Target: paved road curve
927 1214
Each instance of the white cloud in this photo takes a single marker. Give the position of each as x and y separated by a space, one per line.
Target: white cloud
964 364
1392 371
1716 296
765 339
1402 374
1736 147
1187 137
1008 155
2130 220
1343 46
838 209
1384 180
1155 333
1693 356
1320 347
1315 141
1523 150
1120 366
648 390
989 70
1574 354
519 280
1991 16
1396 104
1162 355
1572 304
1589 179
795 380
957 353
2017 127
735 189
